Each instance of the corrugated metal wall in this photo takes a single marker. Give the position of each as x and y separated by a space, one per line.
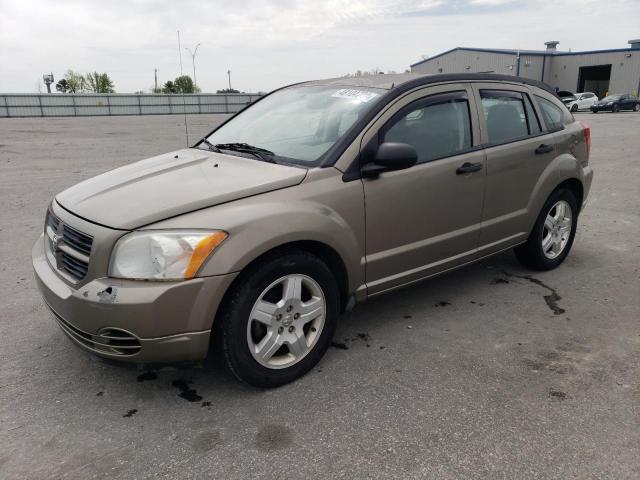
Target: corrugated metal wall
560 71
458 61
79 105
625 70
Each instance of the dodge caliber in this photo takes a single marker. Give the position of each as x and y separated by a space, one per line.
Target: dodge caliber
316 197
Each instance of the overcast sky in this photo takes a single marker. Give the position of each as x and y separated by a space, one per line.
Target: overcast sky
269 43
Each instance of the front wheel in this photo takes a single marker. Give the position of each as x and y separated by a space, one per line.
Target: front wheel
615 109
636 107
278 321
553 233
574 108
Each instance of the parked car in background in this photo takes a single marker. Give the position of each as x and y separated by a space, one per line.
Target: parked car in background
583 101
616 103
566 96
259 236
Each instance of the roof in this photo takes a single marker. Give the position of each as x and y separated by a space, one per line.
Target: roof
510 51
406 81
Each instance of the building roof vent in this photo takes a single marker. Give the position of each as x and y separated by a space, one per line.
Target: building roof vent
552 45
635 44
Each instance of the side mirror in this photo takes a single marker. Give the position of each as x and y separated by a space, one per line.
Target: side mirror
391 156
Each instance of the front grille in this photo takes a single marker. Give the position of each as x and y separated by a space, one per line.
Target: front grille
113 341
70 249
77 240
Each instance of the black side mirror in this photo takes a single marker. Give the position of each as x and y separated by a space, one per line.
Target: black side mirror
391 156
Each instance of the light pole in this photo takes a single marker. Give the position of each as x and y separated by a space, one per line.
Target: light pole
229 74
193 59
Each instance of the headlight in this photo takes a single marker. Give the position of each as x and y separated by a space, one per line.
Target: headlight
163 255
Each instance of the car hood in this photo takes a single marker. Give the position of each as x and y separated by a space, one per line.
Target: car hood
171 184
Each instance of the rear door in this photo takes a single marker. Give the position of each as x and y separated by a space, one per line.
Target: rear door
518 149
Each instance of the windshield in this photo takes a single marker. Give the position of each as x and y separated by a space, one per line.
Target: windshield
611 98
298 124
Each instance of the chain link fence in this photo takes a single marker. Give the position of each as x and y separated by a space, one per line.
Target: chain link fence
86 105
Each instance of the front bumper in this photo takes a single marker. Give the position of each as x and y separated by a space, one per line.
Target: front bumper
134 321
601 109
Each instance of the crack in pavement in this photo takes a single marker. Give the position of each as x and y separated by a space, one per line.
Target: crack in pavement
552 299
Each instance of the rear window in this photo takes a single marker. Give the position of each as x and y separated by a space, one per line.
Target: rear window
507 116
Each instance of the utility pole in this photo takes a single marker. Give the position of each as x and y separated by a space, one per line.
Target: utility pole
48 80
155 83
229 74
193 59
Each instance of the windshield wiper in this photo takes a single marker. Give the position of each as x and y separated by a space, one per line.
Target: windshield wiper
261 153
210 145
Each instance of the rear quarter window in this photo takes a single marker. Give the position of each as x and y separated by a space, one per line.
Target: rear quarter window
555 117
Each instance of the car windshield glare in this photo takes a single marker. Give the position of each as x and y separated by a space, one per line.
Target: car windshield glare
299 124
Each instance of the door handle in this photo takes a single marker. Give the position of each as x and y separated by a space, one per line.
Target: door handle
467 167
544 148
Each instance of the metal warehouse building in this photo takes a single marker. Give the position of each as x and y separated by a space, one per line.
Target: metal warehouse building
600 71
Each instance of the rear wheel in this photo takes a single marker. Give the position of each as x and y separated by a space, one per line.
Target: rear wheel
553 233
636 107
278 321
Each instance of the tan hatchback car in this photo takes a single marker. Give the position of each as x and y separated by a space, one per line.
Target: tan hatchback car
317 196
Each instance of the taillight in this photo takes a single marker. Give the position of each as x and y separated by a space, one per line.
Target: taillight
587 136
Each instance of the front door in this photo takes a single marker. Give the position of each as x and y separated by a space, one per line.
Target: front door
424 219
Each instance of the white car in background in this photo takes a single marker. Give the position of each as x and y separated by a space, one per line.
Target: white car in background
583 101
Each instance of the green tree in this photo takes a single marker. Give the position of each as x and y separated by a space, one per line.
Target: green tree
98 83
228 90
169 87
75 82
62 86
184 84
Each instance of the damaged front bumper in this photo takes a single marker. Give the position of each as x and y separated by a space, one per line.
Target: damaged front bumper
134 321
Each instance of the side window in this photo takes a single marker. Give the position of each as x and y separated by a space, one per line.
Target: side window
532 118
436 126
504 114
552 114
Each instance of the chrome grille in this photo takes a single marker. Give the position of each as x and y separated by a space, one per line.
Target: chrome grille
68 249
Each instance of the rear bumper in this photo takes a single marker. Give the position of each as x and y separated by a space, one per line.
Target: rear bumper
587 180
133 321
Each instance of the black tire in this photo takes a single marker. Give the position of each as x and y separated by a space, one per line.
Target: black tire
531 254
594 111
615 108
574 108
235 311
636 107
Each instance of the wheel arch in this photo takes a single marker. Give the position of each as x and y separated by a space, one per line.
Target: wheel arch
575 186
324 252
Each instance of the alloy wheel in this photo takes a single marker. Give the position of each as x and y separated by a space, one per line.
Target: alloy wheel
557 229
286 321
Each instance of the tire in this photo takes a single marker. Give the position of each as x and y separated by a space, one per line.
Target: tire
574 108
636 107
615 108
594 111
533 253
241 335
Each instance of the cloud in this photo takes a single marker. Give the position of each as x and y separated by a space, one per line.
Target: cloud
268 43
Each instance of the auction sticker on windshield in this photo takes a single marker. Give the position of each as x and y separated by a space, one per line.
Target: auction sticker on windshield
351 94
